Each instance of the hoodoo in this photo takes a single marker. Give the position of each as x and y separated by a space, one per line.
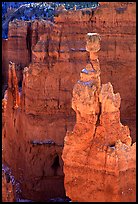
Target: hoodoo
99 157
42 59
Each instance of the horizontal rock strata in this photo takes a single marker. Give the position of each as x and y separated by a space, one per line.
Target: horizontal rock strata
48 58
53 44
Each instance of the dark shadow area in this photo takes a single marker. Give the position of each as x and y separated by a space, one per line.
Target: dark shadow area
55 164
29 42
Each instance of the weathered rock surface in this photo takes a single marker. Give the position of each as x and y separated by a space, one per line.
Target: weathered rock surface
4 65
99 158
7 190
18 38
8 193
54 45
36 127
56 53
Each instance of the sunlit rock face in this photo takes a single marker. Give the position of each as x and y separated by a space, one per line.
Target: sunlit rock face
50 57
34 148
98 154
63 41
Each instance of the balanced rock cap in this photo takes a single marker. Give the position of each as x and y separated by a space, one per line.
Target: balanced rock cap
93 42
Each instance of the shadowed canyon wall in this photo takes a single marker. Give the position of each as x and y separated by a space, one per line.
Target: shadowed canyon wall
38 115
5 64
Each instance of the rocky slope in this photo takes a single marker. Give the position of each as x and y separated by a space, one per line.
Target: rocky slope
99 157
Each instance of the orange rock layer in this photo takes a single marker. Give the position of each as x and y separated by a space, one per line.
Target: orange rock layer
54 54
99 158
53 45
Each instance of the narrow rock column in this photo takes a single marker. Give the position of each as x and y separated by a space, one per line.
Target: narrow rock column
92 69
13 86
89 84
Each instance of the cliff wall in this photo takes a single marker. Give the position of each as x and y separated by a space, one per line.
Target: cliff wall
63 45
118 48
38 114
4 64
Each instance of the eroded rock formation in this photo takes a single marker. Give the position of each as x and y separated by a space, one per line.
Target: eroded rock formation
99 158
34 148
54 45
54 54
8 190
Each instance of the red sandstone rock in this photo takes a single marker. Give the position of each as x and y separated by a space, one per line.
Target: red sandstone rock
13 92
61 50
98 154
34 121
17 38
4 64
7 189
45 111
